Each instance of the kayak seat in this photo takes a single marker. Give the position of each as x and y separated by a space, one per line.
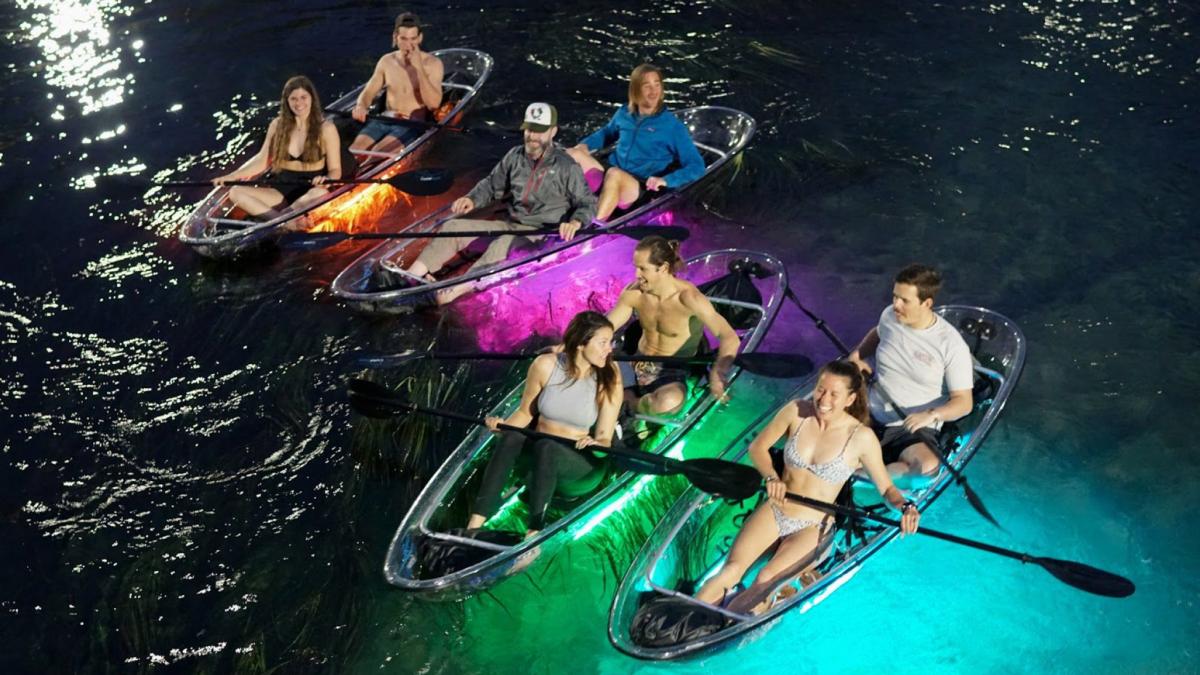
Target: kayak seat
438 557
666 621
738 286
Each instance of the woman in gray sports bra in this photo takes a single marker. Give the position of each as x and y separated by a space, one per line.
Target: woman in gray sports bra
578 395
828 440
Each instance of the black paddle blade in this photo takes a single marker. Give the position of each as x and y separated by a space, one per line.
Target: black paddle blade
372 399
722 478
368 406
775 365
1087 578
358 385
975 502
377 360
423 182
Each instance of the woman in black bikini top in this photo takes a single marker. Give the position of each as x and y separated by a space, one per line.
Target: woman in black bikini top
301 147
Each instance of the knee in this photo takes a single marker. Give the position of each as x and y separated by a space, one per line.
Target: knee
732 570
922 460
614 177
237 193
508 444
928 465
769 571
666 401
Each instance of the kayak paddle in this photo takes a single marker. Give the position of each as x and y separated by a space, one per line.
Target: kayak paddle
319 240
418 182
714 476
1084 577
770 364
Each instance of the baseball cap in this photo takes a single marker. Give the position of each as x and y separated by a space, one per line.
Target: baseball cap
539 117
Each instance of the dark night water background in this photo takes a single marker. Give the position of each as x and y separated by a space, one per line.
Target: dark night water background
184 489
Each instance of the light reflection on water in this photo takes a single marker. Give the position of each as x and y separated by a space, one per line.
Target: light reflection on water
78 54
175 443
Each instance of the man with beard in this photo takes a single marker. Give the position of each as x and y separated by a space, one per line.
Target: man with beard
413 82
541 186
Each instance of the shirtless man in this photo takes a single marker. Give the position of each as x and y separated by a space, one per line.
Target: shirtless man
414 89
673 314
923 364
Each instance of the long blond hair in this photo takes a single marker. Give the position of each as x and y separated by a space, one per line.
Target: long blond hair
635 87
286 123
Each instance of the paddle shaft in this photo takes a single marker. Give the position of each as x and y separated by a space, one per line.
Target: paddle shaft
269 182
945 536
819 322
532 433
931 440
492 356
402 121
1079 575
435 235
769 364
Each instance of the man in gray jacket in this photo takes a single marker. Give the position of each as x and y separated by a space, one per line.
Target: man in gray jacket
541 186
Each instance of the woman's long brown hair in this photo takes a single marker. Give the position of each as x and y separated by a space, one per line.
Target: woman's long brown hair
287 123
581 329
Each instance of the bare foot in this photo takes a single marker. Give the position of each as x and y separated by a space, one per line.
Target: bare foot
449 295
300 223
808 579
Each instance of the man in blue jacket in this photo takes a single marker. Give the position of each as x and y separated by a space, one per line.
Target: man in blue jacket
654 149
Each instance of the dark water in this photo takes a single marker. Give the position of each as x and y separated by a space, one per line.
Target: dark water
182 487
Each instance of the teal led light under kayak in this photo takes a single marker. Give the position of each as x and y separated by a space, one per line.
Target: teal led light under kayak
692 540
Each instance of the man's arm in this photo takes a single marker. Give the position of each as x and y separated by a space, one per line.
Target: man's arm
961 402
622 312
865 350
727 338
429 80
604 136
495 184
691 164
367 95
583 202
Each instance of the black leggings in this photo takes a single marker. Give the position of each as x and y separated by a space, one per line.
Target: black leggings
553 461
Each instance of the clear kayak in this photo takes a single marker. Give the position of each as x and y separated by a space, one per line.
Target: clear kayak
433 555
653 615
218 229
369 284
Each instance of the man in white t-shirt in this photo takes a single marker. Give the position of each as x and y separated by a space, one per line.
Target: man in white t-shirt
924 366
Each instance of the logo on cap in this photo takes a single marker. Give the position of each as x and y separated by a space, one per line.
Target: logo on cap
539 117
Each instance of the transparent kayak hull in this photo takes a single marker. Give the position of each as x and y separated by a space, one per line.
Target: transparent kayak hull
213 230
719 132
443 505
692 539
